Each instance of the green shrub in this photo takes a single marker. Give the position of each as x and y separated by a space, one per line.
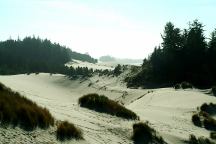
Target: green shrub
144 134
19 111
209 123
200 140
177 86
1 87
118 70
193 139
213 135
204 114
90 84
196 120
209 108
186 85
214 90
67 131
101 103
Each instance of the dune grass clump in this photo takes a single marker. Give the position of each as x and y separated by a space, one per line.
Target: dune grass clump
144 134
213 135
210 123
177 86
204 118
183 85
101 103
67 131
200 140
196 120
214 90
209 108
19 111
186 85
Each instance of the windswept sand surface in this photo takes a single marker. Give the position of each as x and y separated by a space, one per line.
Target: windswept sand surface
167 110
100 66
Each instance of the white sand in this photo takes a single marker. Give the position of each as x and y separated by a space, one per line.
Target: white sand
167 110
100 66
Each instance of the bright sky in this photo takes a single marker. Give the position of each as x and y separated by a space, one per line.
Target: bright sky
121 28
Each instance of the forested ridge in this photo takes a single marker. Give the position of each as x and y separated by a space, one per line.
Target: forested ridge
36 55
184 55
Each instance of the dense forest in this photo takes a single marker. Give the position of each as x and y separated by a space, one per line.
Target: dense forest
36 55
184 55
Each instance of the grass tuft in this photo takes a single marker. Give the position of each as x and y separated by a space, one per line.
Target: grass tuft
144 134
200 140
214 90
101 103
213 135
19 111
209 108
196 120
67 131
186 85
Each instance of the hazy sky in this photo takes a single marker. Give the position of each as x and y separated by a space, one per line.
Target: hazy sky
121 28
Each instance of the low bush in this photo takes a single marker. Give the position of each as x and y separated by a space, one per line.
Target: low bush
204 114
196 120
177 86
67 131
2 87
200 140
208 108
144 134
209 123
214 90
204 117
213 135
186 85
101 103
19 111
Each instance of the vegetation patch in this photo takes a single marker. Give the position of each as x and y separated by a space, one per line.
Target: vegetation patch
118 70
200 140
213 135
196 120
214 90
177 86
186 85
101 103
210 123
203 118
67 131
19 111
208 108
144 134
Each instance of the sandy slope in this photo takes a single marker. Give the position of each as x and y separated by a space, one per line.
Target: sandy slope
100 65
170 111
60 95
167 110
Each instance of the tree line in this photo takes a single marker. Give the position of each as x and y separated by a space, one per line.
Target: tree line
183 55
32 55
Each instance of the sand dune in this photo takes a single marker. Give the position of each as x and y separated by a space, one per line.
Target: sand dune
167 110
100 66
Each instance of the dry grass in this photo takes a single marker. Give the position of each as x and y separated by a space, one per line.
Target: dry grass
67 131
144 134
101 103
186 85
213 135
209 108
19 111
196 120
200 140
204 118
214 90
